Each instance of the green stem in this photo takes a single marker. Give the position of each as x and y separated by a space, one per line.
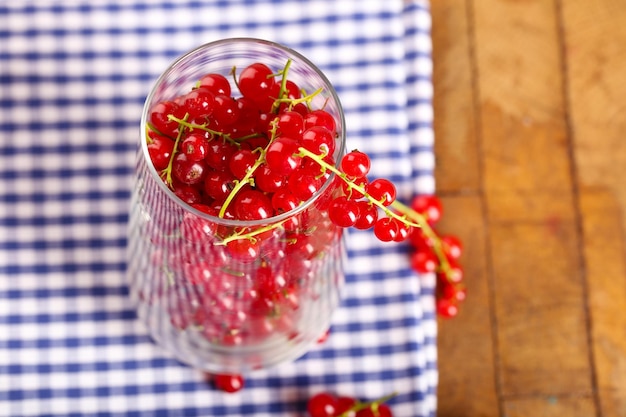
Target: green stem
356 187
168 169
406 215
428 231
252 234
283 81
358 406
203 127
293 101
247 178
240 184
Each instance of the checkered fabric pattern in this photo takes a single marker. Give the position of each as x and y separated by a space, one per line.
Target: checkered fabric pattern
73 78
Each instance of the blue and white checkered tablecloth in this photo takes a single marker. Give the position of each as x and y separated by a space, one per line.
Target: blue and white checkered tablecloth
73 78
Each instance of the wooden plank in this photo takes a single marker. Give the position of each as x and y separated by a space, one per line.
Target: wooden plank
523 124
457 167
542 335
467 384
466 387
606 272
538 286
595 39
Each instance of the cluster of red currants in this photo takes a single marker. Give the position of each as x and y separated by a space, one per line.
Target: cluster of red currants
237 156
438 254
362 201
325 404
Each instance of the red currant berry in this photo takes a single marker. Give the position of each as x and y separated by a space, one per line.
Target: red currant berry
320 118
245 250
240 162
248 115
447 308
343 212
219 154
290 123
419 240
319 140
368 215
218 184
404 231
284 201
311 167
267 282
452 246
382 190
252 205
160 150
301 108
282 156
216 83
455 272
453 292
187 193
228 382
292 90
188 171
267 180
355 164
424 262
159 117
195 146
429 206
199 103
303 185
226 111
322 405
385 229
257 82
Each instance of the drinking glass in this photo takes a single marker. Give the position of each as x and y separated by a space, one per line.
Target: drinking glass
252 303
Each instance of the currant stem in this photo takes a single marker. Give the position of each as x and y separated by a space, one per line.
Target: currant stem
283 81
293 101
408 216
241 183
247 178
429 232
250 235
358 406
203 127
168 169
305 152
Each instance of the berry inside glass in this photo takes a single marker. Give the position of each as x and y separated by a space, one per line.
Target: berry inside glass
234 262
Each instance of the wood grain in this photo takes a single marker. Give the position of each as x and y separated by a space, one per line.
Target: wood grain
530 115
606 272
470 373
455 126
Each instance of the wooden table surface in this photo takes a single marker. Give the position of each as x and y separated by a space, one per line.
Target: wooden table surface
530 124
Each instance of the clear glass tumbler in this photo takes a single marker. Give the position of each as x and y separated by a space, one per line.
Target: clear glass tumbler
213 306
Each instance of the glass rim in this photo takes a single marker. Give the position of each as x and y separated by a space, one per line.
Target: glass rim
219 220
